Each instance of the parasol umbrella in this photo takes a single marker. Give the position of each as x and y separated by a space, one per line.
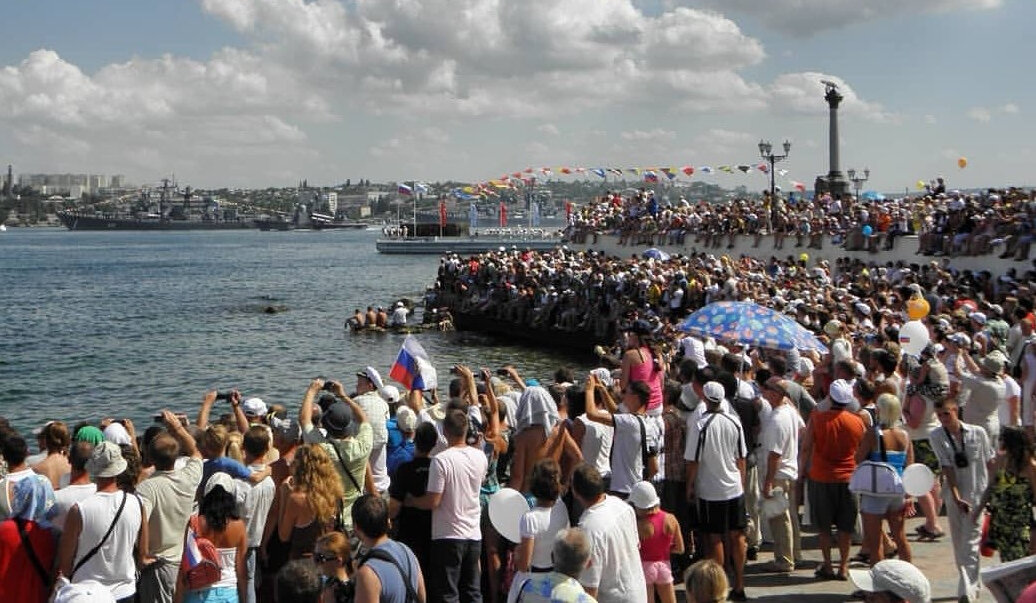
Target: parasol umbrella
749 323
656 254
872 196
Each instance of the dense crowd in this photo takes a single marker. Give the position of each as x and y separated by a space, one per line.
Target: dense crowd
674 461
946 223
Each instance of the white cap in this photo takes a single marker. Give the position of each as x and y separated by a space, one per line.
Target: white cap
899 577
713 392
116 434
406 419
254 407
841 392
390 393
372 375
643 496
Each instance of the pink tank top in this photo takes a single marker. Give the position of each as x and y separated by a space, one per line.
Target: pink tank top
657 547
645 371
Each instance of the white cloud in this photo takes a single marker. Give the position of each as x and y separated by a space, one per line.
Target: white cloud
806 17
930 119
549 129
657 134
803 93
980 114
1010 109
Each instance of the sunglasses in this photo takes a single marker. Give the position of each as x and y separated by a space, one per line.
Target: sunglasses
324 557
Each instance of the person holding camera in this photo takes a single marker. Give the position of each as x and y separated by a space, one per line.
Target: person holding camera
636 440
964 451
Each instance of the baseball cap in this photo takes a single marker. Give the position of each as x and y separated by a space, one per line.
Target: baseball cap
390 393
714 392
841 392
286 429
406 419
643 496
978 317
117 434
896 576
254 407
337 417
373 376
106 461
222 480
89 433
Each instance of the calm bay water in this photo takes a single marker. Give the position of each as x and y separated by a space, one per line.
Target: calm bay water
125 323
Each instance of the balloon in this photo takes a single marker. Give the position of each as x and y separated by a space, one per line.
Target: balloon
917 307
506 508
804 257
918 479
868 230
962 162
913 337
920 185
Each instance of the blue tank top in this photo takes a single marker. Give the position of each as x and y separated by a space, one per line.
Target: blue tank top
895 458
392 588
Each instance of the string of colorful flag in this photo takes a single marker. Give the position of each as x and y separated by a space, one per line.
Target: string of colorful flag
527 177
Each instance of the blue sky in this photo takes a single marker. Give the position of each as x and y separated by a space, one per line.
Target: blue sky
267 92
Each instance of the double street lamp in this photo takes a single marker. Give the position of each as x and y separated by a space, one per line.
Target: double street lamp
766 150
858 181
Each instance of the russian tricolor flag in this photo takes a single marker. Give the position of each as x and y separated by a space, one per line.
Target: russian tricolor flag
413 368
190 550
404 190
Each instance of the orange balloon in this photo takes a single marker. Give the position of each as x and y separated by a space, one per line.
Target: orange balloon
962 162
917 308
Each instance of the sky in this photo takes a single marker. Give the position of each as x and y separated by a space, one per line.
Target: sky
255 93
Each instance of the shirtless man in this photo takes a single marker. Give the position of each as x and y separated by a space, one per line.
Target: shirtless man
382 320
358 320
372 317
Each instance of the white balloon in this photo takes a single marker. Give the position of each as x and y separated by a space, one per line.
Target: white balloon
918 479
913 337
506 508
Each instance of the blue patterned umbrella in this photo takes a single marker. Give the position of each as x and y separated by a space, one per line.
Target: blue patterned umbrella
749 323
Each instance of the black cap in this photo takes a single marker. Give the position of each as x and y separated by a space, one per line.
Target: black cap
337 417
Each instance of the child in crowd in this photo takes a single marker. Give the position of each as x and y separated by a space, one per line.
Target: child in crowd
660 536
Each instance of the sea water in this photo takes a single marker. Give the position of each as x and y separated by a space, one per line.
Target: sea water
123 324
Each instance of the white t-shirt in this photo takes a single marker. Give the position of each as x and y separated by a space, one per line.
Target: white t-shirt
258 500
694 349
68 496
780 434
627 463
718 478
597 445
542 524
457 474
377 411
1013 389
615 569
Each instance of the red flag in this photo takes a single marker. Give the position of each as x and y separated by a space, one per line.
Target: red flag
568 209
503 215
442 214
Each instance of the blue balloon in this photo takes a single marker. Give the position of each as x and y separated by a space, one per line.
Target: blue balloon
867 230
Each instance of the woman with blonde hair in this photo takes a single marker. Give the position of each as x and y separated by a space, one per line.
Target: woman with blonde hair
310 500
706 583
889 443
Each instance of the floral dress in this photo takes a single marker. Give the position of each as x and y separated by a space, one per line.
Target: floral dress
1011 504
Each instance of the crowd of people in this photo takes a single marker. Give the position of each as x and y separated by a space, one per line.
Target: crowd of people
673 461
946 223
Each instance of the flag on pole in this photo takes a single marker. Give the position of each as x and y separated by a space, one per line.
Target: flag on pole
442 214
404 190
503 215
413 368
421 188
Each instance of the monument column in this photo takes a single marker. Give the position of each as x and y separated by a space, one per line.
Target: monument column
836 182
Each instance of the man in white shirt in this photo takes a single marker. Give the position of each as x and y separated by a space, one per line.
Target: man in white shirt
368 397
778 461
399 315
110 522
454 479
79 486
715 456
168 497
635 442
615 574
258 498
15 451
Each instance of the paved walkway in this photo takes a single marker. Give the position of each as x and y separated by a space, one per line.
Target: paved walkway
935 559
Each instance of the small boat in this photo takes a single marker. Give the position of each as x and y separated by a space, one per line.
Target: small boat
534 239
3 228
268 224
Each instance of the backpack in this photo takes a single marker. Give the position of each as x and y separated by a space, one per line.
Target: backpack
877 478
201 561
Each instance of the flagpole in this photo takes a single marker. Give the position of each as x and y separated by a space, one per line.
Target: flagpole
413 193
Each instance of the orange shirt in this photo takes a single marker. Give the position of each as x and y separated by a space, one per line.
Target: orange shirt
836 436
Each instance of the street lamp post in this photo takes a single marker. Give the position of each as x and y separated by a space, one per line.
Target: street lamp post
766 150
858 181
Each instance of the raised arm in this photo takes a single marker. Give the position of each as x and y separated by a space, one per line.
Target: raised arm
239 413
206 408
306 412
339 392
188 447
593 412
